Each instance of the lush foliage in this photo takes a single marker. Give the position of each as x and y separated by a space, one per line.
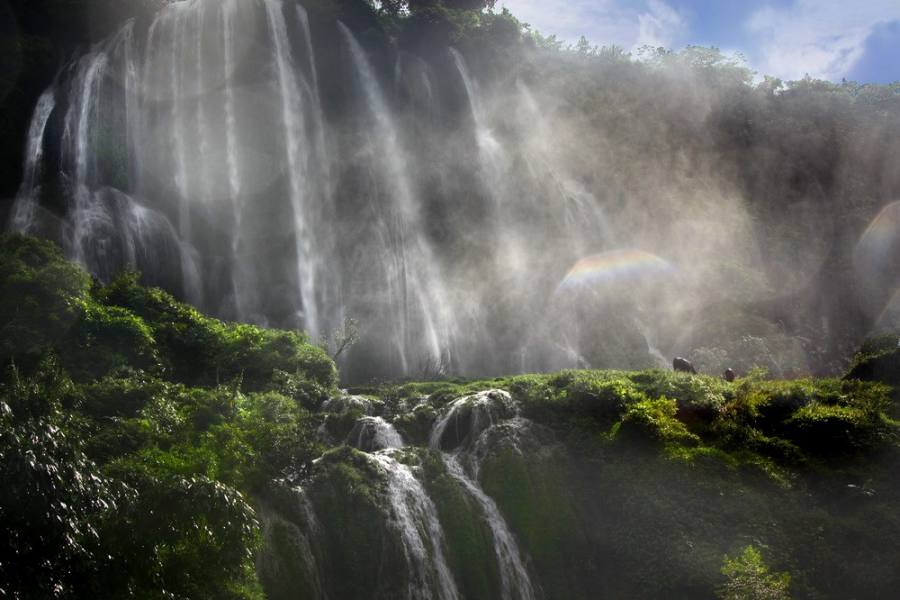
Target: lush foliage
878 360
133 431
665 472
135 428
749 579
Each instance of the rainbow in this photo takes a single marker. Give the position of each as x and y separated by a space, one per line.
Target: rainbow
889 319
876 250
609 266
883 230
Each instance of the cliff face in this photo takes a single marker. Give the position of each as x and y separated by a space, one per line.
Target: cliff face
470 193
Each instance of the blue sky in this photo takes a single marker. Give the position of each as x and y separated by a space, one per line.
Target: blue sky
829 39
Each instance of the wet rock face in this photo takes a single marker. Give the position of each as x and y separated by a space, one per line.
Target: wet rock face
342 404
475 505
465 419
374 433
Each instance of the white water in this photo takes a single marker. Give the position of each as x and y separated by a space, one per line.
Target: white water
415 517
374 433
343 403
295 136
311 569
414 287
484 410
494 163
290 211
516 584
23 216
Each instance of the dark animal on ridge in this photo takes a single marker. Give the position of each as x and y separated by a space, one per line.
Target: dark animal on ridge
728 375
683 364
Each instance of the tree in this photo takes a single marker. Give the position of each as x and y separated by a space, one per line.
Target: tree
342 338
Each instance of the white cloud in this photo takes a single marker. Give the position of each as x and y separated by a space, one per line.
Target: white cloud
824 38
659 26
603 22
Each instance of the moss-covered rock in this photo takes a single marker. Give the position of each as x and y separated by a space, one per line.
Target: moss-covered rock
364 557
877 360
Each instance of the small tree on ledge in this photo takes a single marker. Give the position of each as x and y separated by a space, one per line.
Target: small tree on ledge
342 338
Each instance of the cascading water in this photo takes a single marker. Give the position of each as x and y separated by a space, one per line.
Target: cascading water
466 418
492 157
420 530
463 437
295 135
374 433
24 217
462 429
411 286
301 532
173 120
516 584
212 150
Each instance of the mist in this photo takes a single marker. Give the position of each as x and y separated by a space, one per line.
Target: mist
473 193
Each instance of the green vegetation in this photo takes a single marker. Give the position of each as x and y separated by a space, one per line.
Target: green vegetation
135 428
150 451
878 360
660 473
748 579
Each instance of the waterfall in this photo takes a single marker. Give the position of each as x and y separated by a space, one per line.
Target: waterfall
585 221
328 285
415 293
473 417
420 532
343 403
374 433
491 155
173 123
82 120
291 189
241 275
302 531
658 357
295 136
23 216
516 584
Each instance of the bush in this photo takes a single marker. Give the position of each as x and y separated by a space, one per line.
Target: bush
657 420
749 579
877 360
256 354
190 346
104 339
197 350
51 503
41 296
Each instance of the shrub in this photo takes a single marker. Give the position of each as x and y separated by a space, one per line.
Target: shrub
749 579
51 502
41 295
104 339
657 420
877 360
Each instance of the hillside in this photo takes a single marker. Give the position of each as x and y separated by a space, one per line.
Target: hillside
151 452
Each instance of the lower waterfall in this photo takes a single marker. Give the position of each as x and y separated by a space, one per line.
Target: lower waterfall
437 522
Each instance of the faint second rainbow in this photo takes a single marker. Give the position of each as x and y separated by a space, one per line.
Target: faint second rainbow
614 265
